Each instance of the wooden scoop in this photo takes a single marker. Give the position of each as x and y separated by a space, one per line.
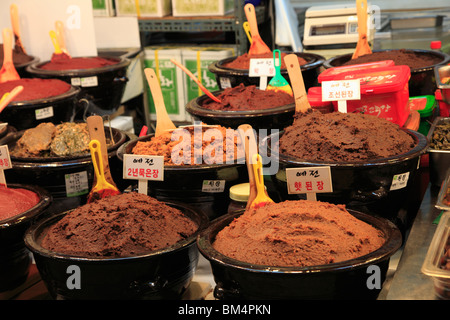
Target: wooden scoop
8 71
250 146
262 198
59 26
257 46
362 47
58 54
14 12
163 122
102 188
202 87
97 132
9 96
298 86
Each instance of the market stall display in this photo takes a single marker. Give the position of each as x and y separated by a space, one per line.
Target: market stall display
121 245
307 278
100 79
20 206
42 100
421 63
362 182
230 72
188 170
261 109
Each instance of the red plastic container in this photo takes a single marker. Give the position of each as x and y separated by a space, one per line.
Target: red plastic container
315 100
335 71
384 91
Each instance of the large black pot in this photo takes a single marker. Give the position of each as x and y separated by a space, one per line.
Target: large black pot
228 77
273 118
161 274
184 183
362 186
422 81
24 114
52 173
105 96
344 280
15 258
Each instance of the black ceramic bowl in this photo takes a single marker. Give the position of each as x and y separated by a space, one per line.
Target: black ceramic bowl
273 118
24 114
422 81
104 94
184 183
15 258
161 274
362 186
344 280
228 77
21 68
53 173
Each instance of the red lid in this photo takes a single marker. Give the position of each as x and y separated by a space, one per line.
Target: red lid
331 72
315 97
378 80
435 45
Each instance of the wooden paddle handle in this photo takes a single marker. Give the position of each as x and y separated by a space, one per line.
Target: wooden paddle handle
249 10
60 34
163 122
250 146
97 132
297 84
7 46
361 12
14 12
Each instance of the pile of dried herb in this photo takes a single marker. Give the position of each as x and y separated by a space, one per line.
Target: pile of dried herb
440 139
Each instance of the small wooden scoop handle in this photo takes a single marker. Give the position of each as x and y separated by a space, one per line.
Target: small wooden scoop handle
7 46
97 132
163 122
298 86
249 10
250 146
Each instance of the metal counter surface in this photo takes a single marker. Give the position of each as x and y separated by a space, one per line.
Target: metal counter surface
408 282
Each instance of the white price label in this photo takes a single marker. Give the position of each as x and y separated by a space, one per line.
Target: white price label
261 68
5 160
76 184
43 113
309 180
213 186
341 90
89 81
142 167
399 181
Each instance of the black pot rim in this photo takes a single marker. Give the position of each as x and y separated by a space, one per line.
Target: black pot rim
64 161
217 66
32 244
71 93
392 244
44 202
194 107
34 59
122 62
419 149
178 168
445 58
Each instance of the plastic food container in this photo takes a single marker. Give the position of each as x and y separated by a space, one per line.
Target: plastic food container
443 201
426 106
384 91
439 158
316 102
437 256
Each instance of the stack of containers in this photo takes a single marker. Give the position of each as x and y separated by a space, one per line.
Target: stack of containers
384 89
177 87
